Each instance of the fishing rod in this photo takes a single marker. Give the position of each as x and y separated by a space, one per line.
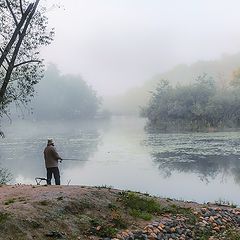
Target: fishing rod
73 159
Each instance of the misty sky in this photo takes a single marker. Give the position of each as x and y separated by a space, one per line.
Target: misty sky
118 44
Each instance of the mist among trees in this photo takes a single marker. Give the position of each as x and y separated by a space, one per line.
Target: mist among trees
202 105
220 69
64 97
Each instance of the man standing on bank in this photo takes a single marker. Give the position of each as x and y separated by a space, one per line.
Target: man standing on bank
51 162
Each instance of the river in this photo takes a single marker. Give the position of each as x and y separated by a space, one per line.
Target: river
198 167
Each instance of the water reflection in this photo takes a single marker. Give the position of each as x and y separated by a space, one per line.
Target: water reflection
121 154
207 155
22 150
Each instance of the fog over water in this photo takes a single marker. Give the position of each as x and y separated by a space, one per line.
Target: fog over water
116 45
192 166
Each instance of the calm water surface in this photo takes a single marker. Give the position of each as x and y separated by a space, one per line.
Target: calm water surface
196 166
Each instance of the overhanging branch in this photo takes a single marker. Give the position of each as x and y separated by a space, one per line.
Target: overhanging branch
26 62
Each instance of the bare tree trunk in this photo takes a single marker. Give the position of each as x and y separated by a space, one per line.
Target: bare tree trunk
15 34
10 68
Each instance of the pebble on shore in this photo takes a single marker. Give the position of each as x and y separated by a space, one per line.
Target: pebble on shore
213 220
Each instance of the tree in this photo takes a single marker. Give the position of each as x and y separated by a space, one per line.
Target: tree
76 101
5 176
23 30
184 107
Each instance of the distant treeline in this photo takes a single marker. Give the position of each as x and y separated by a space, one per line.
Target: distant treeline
64 97
202 105
220 69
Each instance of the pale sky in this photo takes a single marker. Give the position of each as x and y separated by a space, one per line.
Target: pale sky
118 44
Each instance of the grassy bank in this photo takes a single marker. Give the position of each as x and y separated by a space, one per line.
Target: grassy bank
78 212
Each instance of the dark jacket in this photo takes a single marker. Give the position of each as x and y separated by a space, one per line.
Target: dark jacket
51 157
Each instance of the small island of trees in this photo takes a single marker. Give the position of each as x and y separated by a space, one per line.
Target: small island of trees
201 106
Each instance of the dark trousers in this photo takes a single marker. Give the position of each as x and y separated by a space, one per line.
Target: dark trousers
55 172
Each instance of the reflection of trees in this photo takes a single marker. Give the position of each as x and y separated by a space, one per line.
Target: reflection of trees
205 166
236 173
207 158
23 156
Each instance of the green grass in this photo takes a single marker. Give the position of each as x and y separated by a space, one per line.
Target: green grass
101 229
232 234
144 207
174 209
140 203
109 225
140 214
10 201
107 231
204 234
119 223
3 217
117 219
140 206
112 206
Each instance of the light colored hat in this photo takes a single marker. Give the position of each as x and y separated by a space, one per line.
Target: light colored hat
49 142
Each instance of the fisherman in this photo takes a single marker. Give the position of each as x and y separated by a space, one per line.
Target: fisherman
51 162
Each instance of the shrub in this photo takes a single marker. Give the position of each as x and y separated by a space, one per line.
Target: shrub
5 176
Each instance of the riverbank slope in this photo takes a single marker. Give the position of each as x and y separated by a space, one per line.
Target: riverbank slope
79 212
